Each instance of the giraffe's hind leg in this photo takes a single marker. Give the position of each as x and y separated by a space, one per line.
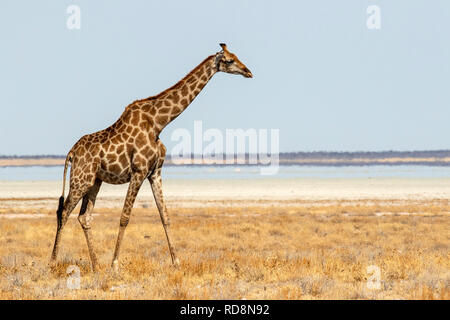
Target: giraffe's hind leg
76 192
85 219
72 200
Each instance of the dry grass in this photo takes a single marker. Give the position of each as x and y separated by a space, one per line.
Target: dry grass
316 250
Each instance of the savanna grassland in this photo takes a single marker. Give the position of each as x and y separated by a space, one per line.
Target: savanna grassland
288 250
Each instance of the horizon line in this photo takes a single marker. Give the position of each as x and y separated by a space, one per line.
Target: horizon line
237 154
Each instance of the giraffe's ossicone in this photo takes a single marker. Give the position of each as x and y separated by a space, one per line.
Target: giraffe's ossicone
130 151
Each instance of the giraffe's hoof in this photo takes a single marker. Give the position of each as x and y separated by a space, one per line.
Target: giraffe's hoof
52 263
115 266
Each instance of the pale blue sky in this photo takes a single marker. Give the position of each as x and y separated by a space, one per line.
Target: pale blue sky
320 76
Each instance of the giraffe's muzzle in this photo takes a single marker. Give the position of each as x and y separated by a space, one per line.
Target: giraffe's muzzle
248 73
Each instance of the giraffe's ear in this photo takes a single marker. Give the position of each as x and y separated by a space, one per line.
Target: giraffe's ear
224 46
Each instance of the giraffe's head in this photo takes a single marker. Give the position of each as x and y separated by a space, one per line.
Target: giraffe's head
228 62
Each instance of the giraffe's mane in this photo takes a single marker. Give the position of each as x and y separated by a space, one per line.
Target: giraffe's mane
176 85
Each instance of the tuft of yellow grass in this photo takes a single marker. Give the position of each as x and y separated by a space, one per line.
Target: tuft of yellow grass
314 250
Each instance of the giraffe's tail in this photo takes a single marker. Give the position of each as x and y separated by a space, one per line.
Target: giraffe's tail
61 199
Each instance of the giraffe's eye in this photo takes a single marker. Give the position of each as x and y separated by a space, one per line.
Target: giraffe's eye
229 61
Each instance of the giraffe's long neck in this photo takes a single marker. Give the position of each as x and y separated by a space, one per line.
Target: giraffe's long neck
170 103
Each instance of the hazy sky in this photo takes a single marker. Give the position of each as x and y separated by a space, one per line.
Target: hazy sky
320 75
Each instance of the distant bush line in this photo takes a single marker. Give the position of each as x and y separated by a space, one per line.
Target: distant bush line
365 154
344 155
41 156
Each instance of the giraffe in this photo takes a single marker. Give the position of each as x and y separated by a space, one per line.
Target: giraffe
130 151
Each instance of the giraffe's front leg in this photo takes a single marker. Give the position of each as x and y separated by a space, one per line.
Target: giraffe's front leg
133 189
156 184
